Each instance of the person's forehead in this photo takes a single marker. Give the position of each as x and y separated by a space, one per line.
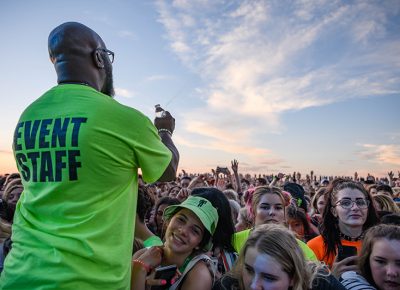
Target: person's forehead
349 193
191 216
270 198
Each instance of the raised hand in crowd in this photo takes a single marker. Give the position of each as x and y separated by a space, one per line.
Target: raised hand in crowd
235 169
198 181
183 194
391 177
298 177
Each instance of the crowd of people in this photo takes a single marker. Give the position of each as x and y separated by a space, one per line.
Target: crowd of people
237 231
78 215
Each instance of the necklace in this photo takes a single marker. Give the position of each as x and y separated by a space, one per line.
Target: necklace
351 239
185 263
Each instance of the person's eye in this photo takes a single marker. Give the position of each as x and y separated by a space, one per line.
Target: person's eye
380 261
346 202
361 202
249 269
265 207
180 219
269 278
279 207
196 231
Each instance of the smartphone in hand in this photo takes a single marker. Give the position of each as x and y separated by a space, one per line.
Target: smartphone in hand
345 252
165 273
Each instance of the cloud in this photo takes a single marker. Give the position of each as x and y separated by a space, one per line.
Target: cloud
159 78
120 92
262 59
389 154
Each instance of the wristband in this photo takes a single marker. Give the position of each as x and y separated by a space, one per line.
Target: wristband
143 265
165 130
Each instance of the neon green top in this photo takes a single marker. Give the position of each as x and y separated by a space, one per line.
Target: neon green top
240 238
78 152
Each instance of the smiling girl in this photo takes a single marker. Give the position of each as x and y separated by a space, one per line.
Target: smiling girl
191 225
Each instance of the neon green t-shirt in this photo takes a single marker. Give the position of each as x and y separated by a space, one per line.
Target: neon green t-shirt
240 238
78 152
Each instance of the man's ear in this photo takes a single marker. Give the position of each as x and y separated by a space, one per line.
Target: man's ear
98 59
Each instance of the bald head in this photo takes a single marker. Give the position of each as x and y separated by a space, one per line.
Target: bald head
74 51
73 40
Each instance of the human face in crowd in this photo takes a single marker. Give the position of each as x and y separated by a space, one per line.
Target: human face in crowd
185 182
270 209
373 191
244 186
14 196
184 232
297 227
159 215
321 204
262 271
385 264
174 191
353 217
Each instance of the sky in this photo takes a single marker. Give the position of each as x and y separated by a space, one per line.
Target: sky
281 86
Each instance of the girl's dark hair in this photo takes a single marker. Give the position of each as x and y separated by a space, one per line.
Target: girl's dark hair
164 200
223 235
145 203
330 229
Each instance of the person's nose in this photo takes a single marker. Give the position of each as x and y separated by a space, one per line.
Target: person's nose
255 283
271 211
392 270
354 206
183 230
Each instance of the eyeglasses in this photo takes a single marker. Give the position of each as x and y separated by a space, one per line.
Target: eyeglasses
110 54
348 203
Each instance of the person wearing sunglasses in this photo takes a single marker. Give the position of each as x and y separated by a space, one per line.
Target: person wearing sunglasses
349 212
78 152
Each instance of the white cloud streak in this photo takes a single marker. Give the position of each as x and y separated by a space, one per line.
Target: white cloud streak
262 58
389 154
120 92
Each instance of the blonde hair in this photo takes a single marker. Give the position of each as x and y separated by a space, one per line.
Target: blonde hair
260 191
386 203
279 243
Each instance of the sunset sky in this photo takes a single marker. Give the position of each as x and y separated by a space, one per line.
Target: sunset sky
281 86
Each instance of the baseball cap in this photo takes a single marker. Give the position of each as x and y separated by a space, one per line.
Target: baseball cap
201 207
297 192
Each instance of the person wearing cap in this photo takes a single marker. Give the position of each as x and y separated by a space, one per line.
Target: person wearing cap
188 237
